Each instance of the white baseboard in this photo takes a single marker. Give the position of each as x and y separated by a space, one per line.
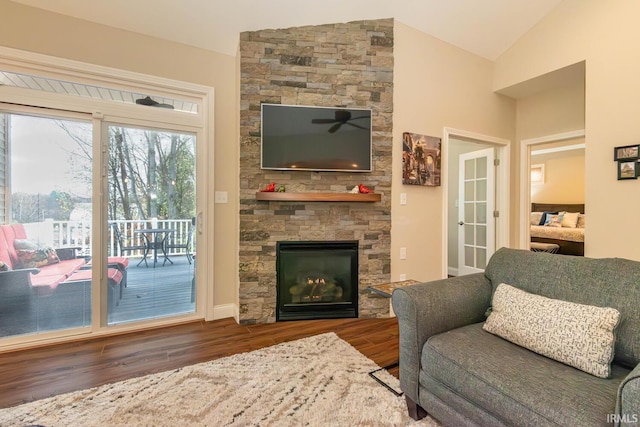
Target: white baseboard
452 271
225 310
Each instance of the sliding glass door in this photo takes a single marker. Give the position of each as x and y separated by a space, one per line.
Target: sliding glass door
46 231
48 276
151 218
103 205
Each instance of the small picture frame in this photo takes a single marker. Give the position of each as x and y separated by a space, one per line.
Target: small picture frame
627 169
627 152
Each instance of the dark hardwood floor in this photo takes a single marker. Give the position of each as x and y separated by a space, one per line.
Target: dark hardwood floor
37 373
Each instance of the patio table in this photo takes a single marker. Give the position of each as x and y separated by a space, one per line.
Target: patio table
157 241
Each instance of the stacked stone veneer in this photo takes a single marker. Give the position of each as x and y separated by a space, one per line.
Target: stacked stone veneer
346 65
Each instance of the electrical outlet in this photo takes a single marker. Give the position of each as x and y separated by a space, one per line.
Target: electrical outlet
403 253
403 277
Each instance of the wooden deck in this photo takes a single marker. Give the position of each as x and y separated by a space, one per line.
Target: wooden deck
155 292
150 293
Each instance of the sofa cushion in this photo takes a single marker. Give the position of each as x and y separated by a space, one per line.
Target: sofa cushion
579 335
45 284
52 275
515 384
607 282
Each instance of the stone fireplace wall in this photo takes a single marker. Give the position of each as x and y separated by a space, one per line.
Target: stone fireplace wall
344 65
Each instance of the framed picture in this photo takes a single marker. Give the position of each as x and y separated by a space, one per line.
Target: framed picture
627 169
421 163
627 152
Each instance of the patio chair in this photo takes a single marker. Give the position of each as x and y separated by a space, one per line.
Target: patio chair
132 248
172 243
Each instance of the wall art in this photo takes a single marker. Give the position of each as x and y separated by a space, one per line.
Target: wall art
421 162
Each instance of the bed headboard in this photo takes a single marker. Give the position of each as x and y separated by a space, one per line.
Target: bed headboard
557 207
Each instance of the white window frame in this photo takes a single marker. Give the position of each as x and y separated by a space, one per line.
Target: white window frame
200 123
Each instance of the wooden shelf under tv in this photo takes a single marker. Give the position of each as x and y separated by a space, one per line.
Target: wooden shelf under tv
318 197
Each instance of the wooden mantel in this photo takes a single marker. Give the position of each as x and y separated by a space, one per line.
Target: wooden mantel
318 197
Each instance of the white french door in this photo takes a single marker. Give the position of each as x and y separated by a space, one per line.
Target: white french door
476 237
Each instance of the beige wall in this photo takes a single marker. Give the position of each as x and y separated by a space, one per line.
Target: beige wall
436 85
606 36
564 177
43 32
551 111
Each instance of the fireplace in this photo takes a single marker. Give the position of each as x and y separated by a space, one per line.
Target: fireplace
317 280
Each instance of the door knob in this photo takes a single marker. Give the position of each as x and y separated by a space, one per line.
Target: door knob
460 223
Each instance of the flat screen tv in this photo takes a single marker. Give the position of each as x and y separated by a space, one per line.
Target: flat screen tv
296 137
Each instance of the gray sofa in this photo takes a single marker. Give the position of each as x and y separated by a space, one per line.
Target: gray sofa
464 376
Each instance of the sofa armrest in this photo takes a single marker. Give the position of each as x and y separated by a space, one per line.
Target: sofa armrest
431 308
628 401
16 283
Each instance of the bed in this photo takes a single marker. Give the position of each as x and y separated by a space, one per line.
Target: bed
569 239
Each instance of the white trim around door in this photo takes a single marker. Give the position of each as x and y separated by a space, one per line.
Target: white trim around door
503 150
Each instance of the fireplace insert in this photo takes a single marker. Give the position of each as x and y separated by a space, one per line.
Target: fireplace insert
317 279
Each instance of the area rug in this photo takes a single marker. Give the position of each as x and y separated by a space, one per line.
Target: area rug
316 381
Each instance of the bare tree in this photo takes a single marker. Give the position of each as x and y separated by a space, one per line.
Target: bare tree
150 173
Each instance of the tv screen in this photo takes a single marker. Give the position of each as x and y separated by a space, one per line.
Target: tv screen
298 137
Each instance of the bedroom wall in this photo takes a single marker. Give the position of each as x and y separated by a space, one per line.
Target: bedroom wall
605 35
564 176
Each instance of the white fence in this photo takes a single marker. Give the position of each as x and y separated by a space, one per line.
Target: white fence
79 234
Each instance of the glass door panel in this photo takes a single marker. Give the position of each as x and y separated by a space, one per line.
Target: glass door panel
151 219
45 236
476 238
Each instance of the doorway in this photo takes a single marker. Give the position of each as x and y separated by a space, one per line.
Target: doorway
530 190
474 227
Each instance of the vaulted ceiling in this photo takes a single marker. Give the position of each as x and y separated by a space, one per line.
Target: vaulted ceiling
484 27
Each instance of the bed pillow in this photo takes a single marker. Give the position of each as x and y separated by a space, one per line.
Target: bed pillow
582 336
570 219
543 219
581 221
535 218
554 220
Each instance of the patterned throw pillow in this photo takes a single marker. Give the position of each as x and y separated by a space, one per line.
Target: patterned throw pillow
578 335
25 245
554 220
545 215
4 266
35 258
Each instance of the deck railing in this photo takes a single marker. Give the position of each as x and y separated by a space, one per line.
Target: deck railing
79 234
